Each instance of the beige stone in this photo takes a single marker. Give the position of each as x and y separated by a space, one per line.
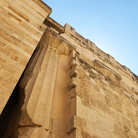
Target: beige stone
17 22
54 83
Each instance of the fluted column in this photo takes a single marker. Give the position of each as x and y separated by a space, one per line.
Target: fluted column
37 107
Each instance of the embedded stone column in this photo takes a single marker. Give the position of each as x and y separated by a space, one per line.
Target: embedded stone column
40 88
37 107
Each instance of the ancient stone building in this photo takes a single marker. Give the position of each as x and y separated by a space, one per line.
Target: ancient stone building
54 83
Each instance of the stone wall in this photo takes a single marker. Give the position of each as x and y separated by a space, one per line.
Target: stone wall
69 88
106 92
106 107
21 27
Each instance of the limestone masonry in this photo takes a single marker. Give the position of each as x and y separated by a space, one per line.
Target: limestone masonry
54 83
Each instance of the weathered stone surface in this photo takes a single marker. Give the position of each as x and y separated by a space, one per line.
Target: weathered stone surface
21 27
69 88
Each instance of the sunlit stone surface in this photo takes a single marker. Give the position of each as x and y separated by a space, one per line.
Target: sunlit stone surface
54 83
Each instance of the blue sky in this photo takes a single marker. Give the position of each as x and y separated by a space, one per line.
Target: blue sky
111 24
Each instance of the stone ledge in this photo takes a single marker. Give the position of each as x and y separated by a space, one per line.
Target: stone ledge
100 65
52 23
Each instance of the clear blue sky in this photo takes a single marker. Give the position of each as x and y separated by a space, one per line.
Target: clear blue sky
111 24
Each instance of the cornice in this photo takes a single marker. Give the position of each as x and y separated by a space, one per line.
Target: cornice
52 23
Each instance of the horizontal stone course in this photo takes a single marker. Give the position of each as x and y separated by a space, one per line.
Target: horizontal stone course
69 88
21 29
